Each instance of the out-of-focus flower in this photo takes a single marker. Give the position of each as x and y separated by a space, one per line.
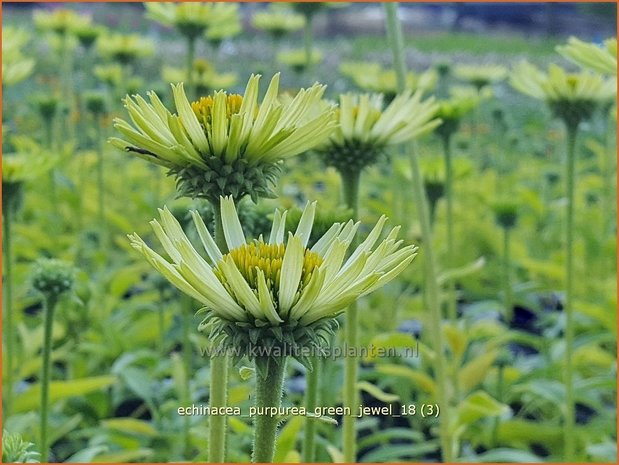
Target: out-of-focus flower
111 75
225 144
225 27
205 77
365 130
452 110
480 75
27 162
278 22
87 34
191 19
572 97
297 59
371 77
15 66
60 21
594 57
125 48
16 450
278 290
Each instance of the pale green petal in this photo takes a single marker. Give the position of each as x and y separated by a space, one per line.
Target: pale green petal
239 286
266 300
190 121
233 230
207 240
304 229
290 276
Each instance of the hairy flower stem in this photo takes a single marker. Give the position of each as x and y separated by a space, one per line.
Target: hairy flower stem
572 131
219 373
311 401
350 184
50 305
9 330
432 292
268 394
452 311
507 287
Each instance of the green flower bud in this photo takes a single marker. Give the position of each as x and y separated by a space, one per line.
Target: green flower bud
95 103
47 105
506 213
52 277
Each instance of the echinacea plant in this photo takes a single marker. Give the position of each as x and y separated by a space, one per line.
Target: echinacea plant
297 59
206 78
275 294
591 56
364 133
506 216
225 144
51 278
572 98
480 75
192 20
278 22
60 21
16 450
124 49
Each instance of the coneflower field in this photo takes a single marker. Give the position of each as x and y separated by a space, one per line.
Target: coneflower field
309 232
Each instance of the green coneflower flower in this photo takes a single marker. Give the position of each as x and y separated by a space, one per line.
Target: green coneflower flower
452 110
60 21
87 34
297 59
366 130
480 75
205 77
226 26
372 78
191 19
111 75
262 289
125 48
602 59
225 144
572 97
278 22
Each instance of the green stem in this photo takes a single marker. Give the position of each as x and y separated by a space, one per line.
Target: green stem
350 184
49 142
9 330
507 287
50 305
268 394
186 318
499 397
219 373
191 52
432 291
609 176
308 39
100 182
311 400
451 285
569 437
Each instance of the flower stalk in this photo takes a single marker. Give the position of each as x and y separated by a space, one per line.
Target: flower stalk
268 395
218 388
9 325
311 401
351 181
49 307
507 287
452 312
572 132
432 292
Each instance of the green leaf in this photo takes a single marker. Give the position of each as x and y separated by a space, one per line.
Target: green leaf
288 438
376 392
58 390
418 378
479 405
87 455
400 452
130 426
458 273
336 454
475 371
388 341
503 455
124 456
321 418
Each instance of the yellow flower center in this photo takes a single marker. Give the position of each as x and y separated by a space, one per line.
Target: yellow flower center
267 257
203 108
